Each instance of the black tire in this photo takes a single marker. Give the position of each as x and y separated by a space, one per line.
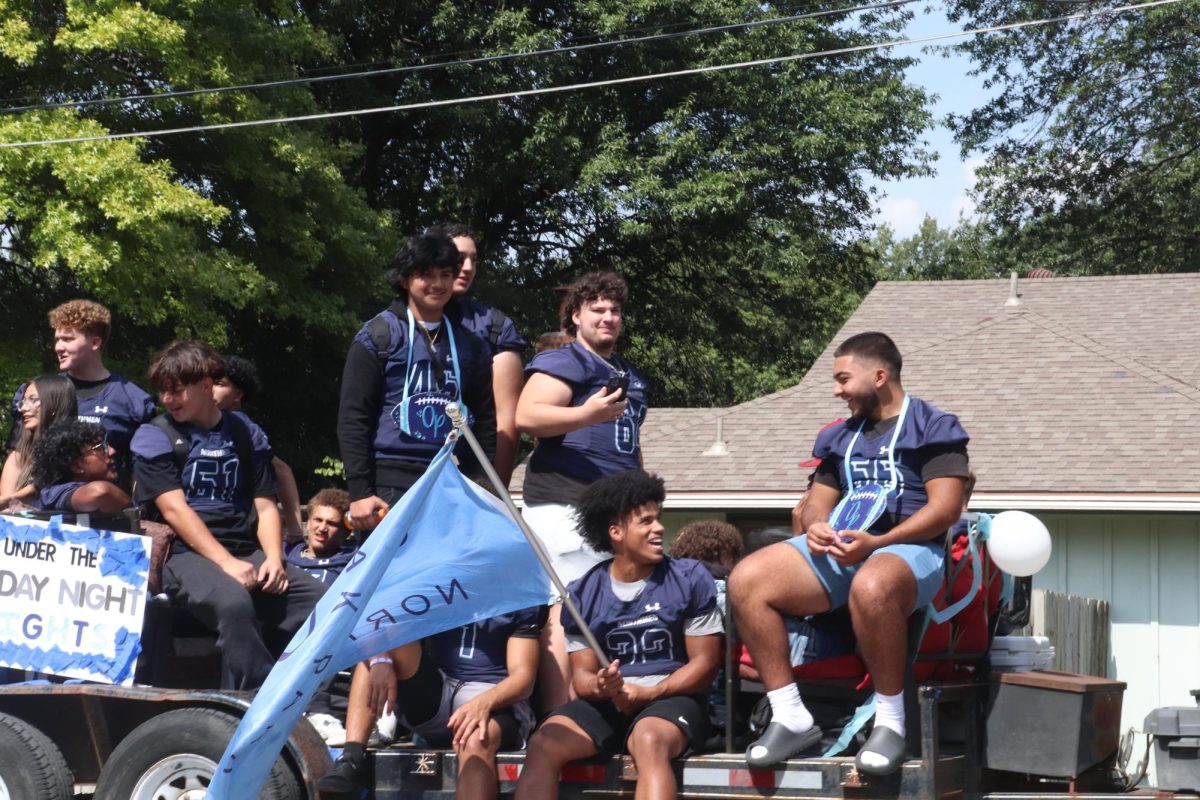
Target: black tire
30 764
173 756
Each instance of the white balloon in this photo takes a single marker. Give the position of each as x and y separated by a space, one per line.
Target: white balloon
1019 543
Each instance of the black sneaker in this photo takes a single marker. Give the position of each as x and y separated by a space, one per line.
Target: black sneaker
347 780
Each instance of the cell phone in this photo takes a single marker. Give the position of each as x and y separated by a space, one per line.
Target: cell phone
618 383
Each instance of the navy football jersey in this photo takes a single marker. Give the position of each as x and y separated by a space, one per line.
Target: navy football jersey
594 451
645 633
479 651
479 320
116 403
927 433
368 435
217 485
326 569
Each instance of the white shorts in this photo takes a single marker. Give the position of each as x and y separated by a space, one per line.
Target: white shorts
570 555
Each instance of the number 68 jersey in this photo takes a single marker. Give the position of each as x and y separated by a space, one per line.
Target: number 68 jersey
646 632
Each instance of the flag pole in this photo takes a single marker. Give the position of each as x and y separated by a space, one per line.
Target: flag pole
461 429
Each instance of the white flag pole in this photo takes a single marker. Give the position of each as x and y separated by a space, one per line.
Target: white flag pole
461 429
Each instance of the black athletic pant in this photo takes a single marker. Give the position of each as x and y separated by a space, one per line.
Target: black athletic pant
253 627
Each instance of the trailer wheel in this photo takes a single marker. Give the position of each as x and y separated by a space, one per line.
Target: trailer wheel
173 757
30 764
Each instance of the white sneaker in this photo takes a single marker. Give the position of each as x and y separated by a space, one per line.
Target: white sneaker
385 730
330 728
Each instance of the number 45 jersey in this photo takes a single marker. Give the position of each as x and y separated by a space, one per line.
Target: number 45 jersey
646 632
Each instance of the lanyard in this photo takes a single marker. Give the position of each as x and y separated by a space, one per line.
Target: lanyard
891 451
453 355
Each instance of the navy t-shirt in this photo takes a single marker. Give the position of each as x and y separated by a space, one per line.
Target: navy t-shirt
326 569
116 403
57 497
591 452
932 444
480 320
647 633
479 651
217 485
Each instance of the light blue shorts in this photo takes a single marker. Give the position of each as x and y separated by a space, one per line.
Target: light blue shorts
926 560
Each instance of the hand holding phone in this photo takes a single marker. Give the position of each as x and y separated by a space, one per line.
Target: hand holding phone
618 383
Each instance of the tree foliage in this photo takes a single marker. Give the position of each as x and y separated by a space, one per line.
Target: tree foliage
734 202
1093 136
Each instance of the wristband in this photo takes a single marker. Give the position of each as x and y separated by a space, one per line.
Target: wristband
379 660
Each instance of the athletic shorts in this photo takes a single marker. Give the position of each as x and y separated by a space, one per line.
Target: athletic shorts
570 555
609 729
425 702
926 560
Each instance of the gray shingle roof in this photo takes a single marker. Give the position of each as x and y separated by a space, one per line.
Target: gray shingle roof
1089 385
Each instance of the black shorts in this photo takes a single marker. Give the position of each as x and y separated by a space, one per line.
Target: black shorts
609 729
426 700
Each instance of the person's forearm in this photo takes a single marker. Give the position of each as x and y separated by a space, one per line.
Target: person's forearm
358 414
694 677
813 513
289 496
927 523
545 421
270 535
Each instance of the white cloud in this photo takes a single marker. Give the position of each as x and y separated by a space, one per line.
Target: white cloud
964 204
903 214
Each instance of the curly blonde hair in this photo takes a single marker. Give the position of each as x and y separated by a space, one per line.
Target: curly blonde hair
708 540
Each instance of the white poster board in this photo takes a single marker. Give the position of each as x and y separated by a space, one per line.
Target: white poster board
71 599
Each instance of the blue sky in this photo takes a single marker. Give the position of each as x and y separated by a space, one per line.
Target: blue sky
944 196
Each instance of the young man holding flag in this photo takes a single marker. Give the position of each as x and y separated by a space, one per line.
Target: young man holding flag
657 620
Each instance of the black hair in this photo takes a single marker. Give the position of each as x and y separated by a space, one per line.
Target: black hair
59 447
454 230
242 373
589 287
873 346
610 500
421 253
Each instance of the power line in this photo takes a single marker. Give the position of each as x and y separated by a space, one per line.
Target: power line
592 84
447 64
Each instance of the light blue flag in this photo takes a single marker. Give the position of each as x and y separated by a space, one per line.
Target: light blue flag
447 554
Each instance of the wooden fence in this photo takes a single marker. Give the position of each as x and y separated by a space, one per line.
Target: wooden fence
1078 627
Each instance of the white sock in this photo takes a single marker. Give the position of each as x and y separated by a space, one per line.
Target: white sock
788 709
889 713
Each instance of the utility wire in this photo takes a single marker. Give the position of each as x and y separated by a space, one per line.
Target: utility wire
591 84
459 62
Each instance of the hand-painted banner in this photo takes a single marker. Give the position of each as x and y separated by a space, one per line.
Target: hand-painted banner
447 554
71 599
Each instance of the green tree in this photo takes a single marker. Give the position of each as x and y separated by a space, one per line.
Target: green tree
735 202
934 253
1093 136
732 201
251 239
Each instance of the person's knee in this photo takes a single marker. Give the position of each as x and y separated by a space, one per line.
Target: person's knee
747 581
653 741
880 591
474 748
546 746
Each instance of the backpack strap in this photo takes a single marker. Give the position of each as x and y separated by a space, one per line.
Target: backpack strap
181 442
176 435
498 320
381 334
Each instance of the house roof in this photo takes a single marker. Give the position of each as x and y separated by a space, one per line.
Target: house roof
1088 386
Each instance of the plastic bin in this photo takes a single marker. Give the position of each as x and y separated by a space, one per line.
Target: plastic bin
1176 745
